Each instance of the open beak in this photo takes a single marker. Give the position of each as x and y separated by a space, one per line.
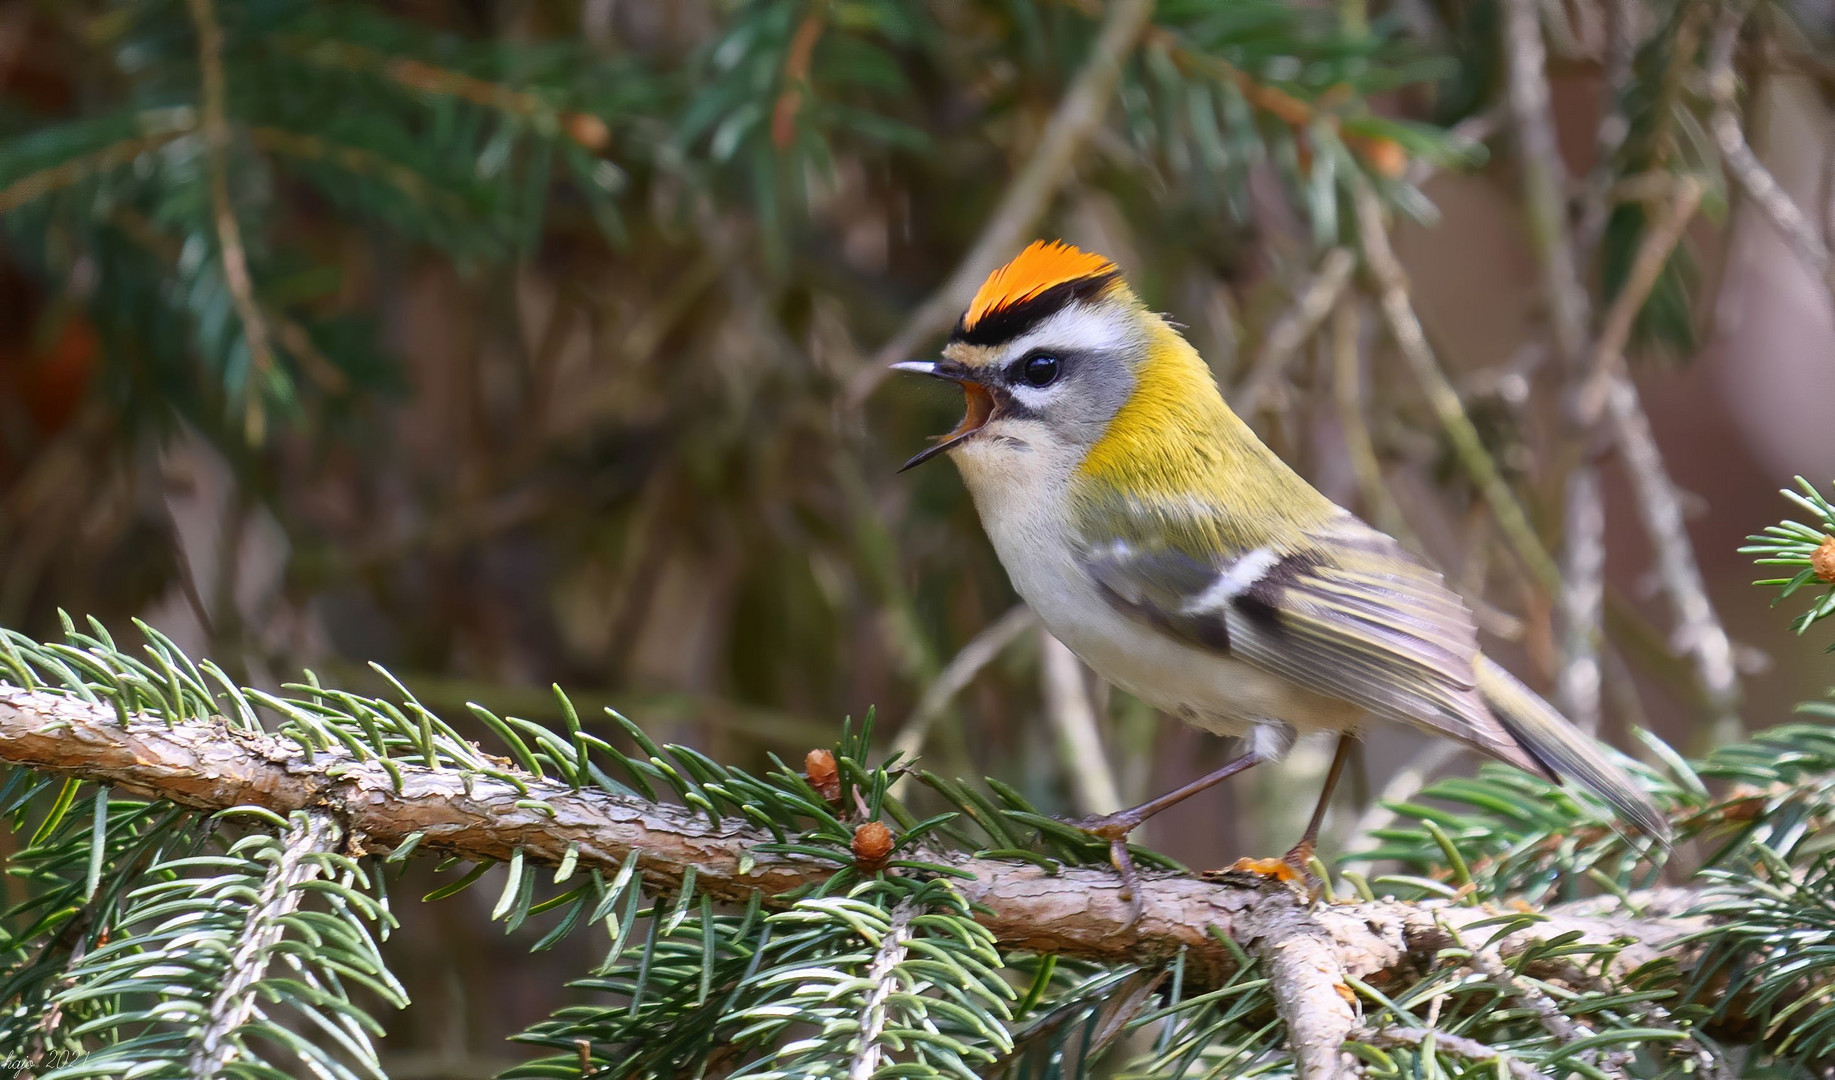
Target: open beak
979 406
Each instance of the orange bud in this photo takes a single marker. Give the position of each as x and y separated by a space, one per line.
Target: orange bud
587 130
1384 156
819 767
1822 560
872 843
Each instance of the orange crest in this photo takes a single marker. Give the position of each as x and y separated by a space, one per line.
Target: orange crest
1041 266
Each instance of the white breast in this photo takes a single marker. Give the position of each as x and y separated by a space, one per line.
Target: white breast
1020 495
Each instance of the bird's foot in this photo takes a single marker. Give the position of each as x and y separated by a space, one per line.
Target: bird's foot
1292 871
1115 828
1279 870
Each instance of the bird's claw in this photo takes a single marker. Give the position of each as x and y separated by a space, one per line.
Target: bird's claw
1110 827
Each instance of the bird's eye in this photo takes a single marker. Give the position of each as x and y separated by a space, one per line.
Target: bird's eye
1040 370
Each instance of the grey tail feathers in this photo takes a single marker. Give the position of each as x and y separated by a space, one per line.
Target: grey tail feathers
1563 750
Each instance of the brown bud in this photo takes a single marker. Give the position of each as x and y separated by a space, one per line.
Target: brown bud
587 130
1822 560
1383 155
872 843
819 766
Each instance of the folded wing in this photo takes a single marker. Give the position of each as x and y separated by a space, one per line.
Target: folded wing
1341 610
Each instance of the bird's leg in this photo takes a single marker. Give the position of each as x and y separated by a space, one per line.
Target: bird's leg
1294 866
1115 827
1302 852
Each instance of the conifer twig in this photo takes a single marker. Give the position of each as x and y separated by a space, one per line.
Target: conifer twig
1544 178
1609 390
1660 239
280 895
1548 1014
42 182
1307 975
893 947
215 124
1442 397
1582 591
1743 165
1470 1049
1312 302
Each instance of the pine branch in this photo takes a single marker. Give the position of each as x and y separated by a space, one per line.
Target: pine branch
892 949
281 893
1072 911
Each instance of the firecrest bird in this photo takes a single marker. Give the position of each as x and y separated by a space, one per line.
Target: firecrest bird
1159 539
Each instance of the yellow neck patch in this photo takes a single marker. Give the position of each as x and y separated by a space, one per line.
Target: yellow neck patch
1176 454
1040 267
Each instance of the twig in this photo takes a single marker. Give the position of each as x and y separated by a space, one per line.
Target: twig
1609 389
293 336
1743 165
1472 131
279 897
1078 116
1307 976
1548 1013
1067 704
215 125
1470 1049
356 159
1405 328
36 185
1311 305
957 674
1660 238
1544 178
1564 1028
1698 628
882 973
586 129
1583 592
1072 911
317 366
1348 392
1614 125
1544 187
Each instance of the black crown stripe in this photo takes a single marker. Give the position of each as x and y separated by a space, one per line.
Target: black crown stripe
1005 324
